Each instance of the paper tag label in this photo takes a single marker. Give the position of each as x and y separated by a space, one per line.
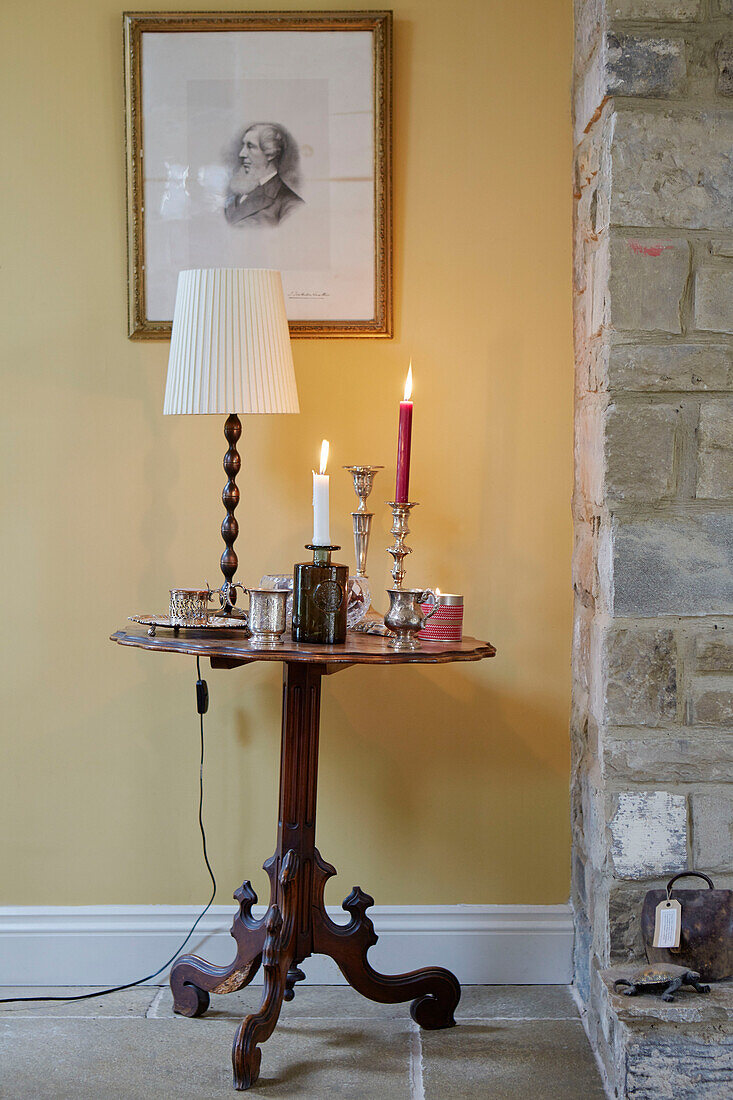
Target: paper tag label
668 924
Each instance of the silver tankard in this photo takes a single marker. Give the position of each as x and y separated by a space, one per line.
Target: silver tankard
405 616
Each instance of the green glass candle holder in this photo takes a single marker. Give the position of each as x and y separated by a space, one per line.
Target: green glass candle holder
319 599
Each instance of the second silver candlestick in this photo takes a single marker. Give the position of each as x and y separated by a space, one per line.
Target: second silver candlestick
400 529
361 519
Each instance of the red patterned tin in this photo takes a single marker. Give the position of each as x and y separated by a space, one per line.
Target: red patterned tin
446 625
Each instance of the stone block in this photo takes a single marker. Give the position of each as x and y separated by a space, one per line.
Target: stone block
582 954
581 651
691 1066
648 833
656 9
592 183
593 803
675 565
585 574
698 757
713 310
639 451
599 266
646 284
673 168
718 247
644 65
715 475
640 677
716 425
682 1050
578 878
590 20
689 1007
712 830
589 90
724 61
588 469
713 648
592 175
715 451
701 67
590 297
669 367
710 702
624 920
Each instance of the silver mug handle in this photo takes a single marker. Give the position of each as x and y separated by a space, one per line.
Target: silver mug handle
424 599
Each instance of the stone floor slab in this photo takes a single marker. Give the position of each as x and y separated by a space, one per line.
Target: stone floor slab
519 1002
542 1059
126 1002
182 1059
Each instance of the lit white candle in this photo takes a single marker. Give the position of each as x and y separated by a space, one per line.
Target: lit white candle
321 525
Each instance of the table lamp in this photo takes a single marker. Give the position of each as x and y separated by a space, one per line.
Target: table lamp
230 353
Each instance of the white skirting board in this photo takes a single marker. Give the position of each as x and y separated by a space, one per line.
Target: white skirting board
112 944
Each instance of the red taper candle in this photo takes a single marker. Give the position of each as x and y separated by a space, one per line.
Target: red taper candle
404 444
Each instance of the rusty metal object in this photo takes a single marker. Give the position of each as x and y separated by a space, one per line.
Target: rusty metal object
706 939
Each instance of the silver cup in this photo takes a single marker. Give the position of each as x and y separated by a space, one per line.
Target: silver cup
267 617
405 616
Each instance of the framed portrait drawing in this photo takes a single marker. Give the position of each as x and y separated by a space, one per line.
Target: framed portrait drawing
261 139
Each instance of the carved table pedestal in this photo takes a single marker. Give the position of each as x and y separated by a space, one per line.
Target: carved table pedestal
296 924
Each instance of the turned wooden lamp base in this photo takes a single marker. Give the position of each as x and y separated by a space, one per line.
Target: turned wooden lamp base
296 924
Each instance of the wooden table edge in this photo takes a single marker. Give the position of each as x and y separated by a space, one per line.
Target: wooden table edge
229 653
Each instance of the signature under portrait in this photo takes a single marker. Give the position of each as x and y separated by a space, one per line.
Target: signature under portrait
262 185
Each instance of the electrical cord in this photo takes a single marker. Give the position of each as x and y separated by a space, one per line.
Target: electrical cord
202 705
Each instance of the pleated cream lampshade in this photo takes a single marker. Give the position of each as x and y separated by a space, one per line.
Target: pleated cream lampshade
230 344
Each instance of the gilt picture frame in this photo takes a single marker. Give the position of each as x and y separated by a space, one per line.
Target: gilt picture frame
261 139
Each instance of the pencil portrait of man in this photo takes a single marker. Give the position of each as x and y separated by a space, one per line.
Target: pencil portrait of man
258 192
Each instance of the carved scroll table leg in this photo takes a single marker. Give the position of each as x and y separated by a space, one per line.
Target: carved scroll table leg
192 978
246 1054
277 962
436 991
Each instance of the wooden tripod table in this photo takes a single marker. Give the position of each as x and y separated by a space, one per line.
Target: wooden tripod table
296 924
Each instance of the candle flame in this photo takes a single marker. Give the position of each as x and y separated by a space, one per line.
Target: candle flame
324 455
437 593
408 384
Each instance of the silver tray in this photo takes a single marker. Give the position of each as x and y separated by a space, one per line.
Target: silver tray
214 622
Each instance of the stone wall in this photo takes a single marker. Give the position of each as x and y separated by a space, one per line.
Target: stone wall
652 729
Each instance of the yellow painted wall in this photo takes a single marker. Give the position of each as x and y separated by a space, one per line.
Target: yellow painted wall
437 785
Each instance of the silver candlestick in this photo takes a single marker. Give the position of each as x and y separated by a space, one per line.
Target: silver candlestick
361 519
400 529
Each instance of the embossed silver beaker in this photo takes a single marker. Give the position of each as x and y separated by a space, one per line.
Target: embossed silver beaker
405 616
267 617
